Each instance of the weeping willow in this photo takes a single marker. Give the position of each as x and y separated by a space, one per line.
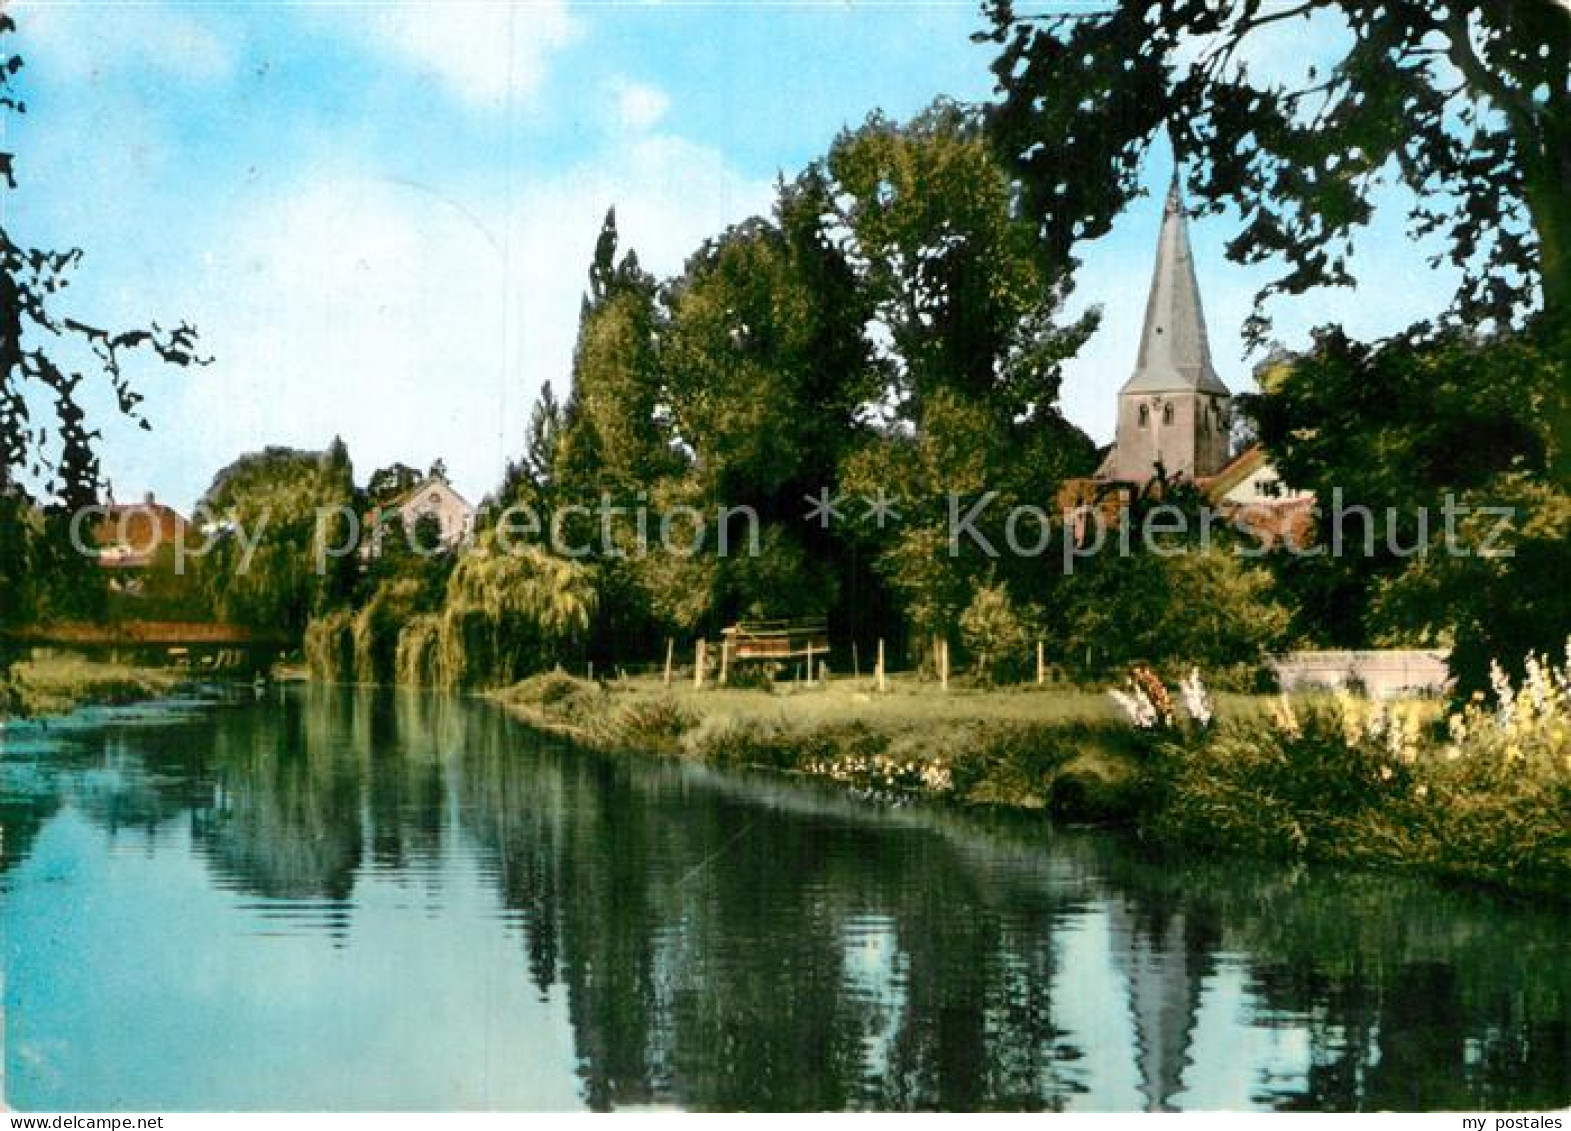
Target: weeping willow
503 616
507 615
330 646
377 628
418 649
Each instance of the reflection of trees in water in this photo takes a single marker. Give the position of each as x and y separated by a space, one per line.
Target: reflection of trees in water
285 820
709 944
1418 997
31 792
1413 996
120 784
727 942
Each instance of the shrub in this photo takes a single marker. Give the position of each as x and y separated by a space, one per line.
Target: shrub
656 723
1485 797
996 633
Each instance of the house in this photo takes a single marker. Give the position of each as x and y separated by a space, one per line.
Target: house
129 536
430 504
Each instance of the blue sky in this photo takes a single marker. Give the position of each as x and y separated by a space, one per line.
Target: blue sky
379 215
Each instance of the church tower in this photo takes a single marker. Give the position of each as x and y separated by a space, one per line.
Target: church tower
1174 408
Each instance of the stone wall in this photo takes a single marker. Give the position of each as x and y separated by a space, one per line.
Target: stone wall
1380 674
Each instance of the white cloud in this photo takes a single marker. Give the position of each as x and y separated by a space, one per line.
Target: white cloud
638 106
485 52
84 42
415 321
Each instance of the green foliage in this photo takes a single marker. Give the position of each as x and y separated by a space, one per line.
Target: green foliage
654 724
389 484
378 627
611 439
165 589
1355 783
292 499
948 261
1210 608
554 698
974 349
418 654
997 633
1457 100
530 480
329 646
1411 433
507 615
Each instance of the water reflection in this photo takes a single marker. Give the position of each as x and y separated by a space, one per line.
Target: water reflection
406 901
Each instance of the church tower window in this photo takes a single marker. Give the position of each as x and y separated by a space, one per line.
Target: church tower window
1145 416
1167 414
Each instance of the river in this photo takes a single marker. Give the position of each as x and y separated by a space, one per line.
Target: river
340 899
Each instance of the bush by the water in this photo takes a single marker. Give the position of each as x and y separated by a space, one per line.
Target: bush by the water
1484 794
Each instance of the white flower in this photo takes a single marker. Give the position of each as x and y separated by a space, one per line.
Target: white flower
1137 706
1501 684
1197 701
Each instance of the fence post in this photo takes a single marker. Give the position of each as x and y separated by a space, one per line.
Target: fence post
943 669
1041 669
698 664
810 663
725 658
670 652
879 670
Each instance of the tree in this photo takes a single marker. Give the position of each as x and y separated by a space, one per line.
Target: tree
1408 432
765 367
996 631
51 457
929 220
927 217
508 614
1463 101
612 437
276 505
391 483
1193 606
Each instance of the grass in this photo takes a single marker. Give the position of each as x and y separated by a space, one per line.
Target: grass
1065 750
58 685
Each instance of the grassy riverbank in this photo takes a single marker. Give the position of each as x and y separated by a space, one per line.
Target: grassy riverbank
1484 798
57 686
1062 750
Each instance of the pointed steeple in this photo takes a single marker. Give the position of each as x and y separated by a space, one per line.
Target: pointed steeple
1175 354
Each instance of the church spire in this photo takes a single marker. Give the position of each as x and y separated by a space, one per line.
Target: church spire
1174 411
1175 354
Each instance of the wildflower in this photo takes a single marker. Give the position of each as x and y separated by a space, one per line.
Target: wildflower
1285 719
1135 704
1197 701
1501 683
1155 691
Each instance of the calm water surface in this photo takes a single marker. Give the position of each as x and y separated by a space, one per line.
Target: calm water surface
340 899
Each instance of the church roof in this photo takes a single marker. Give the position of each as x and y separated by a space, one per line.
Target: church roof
1175 355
